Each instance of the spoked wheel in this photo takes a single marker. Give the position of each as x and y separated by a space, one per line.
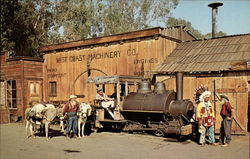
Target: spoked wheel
159 133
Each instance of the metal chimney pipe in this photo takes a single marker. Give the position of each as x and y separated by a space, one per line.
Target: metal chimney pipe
179 85
214 7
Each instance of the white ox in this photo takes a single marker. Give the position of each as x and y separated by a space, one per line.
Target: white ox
83 112
39 114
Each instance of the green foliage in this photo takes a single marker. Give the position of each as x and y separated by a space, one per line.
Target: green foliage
84 19
218 34
8 13
174 22
27 25
124 16
24 25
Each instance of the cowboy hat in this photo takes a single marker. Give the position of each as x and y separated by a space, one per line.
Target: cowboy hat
72 96
225 97
204 95
99 89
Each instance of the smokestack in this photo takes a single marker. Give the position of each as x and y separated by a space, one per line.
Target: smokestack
214 7
179 85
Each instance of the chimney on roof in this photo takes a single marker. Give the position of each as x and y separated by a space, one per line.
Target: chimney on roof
214 7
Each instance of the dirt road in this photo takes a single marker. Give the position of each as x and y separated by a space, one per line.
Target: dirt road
105 145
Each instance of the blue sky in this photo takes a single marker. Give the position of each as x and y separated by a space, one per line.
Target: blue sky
233 16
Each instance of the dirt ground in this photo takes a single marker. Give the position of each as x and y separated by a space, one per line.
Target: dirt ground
107 145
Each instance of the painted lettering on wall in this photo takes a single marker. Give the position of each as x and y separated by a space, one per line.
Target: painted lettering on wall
131 52
52 73
52 70
112 54
61 59
56 75
94 56
150 60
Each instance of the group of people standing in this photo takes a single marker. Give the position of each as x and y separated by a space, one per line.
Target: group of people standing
205 115
206 119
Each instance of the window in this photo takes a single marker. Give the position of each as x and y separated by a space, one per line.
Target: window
2 93
11 94
52 89
34 88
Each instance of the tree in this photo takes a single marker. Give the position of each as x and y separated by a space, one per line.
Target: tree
27 25
218 34
85 19
24 25
174 22
8 13
124 16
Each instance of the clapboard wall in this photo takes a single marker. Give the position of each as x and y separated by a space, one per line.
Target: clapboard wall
235 85
22 70
135 57
132 53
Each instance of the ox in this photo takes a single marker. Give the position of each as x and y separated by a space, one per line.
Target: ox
83 113
39 114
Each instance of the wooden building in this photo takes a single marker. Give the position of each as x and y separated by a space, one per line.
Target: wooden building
222 64
67 66
20 82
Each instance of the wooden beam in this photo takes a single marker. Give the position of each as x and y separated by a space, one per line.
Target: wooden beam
106 39
236 90
236 119
118 95
126 88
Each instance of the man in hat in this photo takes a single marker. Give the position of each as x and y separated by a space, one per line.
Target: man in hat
226 123
206 119
106 102
71 109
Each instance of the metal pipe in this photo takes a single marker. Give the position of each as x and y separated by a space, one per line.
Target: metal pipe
179 85
214 7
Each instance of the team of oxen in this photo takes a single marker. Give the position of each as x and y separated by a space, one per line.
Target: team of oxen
40 116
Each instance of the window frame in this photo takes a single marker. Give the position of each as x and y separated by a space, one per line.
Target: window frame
10 91
3 101
52 88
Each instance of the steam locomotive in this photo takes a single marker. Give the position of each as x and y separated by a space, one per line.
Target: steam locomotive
159 111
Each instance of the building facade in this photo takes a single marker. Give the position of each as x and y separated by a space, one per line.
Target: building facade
67 66
223 65
21 80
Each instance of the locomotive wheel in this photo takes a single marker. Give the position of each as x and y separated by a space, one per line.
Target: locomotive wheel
159 133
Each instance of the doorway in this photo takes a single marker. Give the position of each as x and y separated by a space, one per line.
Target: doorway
34 91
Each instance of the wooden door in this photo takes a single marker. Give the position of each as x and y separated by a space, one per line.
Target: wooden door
35 94
234 89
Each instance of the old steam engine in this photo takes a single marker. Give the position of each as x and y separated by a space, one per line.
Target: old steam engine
159 111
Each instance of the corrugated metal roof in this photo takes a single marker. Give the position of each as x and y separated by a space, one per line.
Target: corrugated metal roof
209 55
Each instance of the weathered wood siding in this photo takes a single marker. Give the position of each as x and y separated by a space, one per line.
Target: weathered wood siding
21 70
133 57
233 85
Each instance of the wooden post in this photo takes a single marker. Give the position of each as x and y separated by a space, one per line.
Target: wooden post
118 95
126 88
214 103
135 86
